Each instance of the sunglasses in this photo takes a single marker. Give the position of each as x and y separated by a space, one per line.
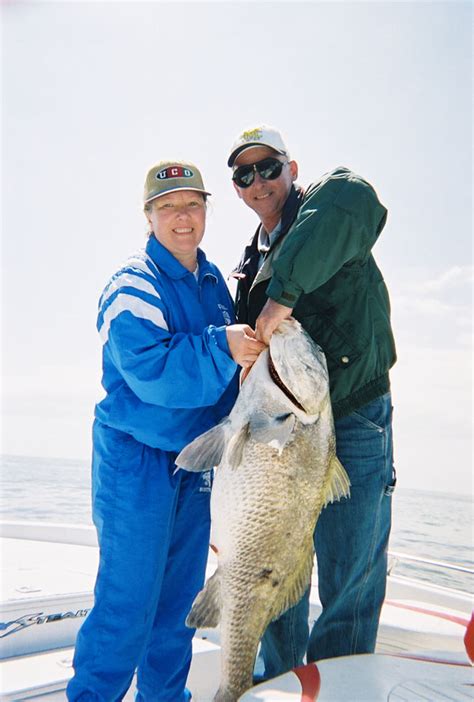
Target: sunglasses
268 169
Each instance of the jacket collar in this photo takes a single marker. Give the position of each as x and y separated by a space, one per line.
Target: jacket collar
288 215
169 264
290 209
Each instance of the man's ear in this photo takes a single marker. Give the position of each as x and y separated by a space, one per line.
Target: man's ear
237 190
293 169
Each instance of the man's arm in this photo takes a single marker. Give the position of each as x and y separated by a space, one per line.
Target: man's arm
324 237
320 242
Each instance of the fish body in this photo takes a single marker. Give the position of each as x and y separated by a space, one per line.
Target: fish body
276 469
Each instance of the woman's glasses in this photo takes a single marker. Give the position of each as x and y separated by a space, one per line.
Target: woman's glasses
268 169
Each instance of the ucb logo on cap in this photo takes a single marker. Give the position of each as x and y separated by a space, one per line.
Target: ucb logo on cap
168 176
174 172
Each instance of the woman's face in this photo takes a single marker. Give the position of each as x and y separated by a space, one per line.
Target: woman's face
178 221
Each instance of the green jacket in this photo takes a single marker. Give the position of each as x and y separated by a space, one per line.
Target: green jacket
322 266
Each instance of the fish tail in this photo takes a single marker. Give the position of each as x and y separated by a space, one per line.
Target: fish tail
241 631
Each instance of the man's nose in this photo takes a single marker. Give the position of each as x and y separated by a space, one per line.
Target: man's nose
257 180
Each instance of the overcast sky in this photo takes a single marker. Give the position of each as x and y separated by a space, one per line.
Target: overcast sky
96 92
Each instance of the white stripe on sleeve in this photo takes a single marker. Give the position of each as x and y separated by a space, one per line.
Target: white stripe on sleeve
131 281
143 262
138 307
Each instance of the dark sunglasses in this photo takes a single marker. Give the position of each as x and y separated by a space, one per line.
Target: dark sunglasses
268 169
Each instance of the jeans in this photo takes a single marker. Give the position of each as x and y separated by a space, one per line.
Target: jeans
153 530
351 540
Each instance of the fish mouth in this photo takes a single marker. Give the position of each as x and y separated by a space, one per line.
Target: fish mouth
279 383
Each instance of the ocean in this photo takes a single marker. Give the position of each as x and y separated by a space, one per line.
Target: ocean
425 524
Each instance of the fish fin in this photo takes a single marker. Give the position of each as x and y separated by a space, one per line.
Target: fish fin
298 583
274 431
236 447
338 484
206 451
206 609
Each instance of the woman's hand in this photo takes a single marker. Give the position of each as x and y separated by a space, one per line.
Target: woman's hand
243 345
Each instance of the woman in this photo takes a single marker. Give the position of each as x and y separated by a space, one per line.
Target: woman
169 372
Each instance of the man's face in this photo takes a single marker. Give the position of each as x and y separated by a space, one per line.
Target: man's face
266 197
178 221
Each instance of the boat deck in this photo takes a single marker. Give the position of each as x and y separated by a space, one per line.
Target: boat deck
47 591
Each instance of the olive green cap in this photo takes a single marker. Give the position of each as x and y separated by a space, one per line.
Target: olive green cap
168 176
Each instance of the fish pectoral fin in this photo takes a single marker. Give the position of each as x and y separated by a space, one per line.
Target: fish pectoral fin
296 585
236 447
274 431
206 451
206 609
338 484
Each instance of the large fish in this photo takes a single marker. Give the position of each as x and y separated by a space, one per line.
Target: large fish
276 469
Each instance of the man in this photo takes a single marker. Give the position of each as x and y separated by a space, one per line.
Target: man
311 258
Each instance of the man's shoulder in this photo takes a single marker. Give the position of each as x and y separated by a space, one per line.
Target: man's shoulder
340 180
340 175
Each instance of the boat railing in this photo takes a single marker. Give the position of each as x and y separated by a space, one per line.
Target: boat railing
397 557
85 535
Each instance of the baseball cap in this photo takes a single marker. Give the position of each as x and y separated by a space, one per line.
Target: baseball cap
262 135
168 176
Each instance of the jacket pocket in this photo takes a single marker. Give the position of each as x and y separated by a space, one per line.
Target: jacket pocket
340 345
117 448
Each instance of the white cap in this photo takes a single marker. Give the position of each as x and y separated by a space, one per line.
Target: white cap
262 135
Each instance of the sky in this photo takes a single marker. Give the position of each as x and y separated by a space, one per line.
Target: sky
94 93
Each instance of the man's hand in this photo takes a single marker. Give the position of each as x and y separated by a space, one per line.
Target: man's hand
270 317
243 345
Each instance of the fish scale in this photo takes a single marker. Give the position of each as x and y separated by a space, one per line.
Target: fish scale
276 468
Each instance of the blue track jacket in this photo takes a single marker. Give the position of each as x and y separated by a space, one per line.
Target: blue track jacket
167 368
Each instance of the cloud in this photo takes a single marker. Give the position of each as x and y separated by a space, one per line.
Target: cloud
422 305
434 311
431 391
455 277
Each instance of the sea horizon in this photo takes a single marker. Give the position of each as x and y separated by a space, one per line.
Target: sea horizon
467 497
430 524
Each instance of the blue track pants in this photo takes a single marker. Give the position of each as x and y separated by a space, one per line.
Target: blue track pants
153 531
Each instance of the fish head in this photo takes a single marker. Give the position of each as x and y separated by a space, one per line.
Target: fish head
300 365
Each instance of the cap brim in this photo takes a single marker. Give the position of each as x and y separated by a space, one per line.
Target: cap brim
174 190
251 145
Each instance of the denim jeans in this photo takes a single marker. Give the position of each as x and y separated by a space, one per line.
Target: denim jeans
351 540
